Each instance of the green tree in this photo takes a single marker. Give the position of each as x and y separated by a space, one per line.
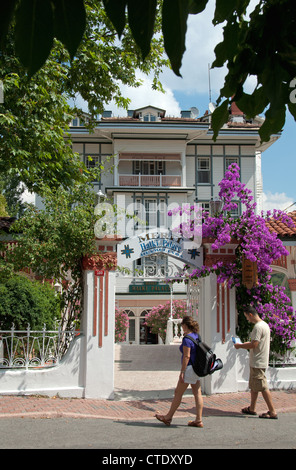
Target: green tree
102 63
12 189
3 204
53 241
35 114
32 122
24 302
261 44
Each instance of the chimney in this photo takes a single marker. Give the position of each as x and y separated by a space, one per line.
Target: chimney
236 114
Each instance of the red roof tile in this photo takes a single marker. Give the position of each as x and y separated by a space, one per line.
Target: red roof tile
282 229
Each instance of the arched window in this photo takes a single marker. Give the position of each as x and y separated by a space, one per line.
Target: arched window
131 332
281 279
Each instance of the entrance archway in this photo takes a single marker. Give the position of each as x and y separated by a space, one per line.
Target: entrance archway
154 258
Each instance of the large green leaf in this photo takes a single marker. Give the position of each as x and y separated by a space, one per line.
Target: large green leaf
228 48
274 122
224 10
141 17
174 27
115 10
69 23
253 104
220 116
292 109
197 6
34 33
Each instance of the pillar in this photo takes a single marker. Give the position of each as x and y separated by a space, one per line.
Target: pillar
98 324
218 318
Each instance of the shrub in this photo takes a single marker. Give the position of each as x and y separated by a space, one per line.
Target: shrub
158 316
24 302
121 325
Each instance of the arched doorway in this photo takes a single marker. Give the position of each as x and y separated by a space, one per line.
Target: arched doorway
152 259
138 332
280 278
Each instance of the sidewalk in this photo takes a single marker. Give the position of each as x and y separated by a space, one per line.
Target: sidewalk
143 386
228 404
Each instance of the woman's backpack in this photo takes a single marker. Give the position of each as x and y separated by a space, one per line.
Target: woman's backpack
205 360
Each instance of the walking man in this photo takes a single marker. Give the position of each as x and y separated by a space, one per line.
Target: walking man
259 357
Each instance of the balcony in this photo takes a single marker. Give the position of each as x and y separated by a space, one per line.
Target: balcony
150 180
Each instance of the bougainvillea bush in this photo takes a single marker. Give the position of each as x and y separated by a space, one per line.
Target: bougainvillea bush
121 325
158 316
254 241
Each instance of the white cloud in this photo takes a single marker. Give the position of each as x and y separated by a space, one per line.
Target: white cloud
28 197
277 201
145 95
201 38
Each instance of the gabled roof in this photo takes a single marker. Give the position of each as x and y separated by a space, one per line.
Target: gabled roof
149 106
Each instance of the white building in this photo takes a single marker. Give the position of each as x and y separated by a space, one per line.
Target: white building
159 162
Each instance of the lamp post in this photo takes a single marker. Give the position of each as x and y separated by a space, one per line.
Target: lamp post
172 293
169 330
58 288
215 207
100 196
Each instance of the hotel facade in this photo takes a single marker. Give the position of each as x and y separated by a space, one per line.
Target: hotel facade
156 163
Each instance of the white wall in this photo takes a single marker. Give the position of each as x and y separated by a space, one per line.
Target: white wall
234 376
87 370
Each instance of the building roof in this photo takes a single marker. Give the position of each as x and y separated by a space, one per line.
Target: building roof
236 118
282 229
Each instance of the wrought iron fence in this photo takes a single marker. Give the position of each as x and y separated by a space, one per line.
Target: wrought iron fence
284 360
288 360
34 349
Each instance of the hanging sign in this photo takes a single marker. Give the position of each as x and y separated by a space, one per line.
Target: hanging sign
159 241
249 273
149 287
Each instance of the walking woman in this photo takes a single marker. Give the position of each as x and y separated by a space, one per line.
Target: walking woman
187 376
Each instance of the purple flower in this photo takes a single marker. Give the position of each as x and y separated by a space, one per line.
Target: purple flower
258 245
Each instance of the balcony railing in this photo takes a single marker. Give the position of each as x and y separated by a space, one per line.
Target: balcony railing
150 180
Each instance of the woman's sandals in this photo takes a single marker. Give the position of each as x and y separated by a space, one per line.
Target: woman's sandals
161 418
167 422
195 424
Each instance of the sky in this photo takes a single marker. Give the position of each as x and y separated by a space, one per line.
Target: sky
192 90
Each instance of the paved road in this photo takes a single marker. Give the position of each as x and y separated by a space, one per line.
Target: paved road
233 432
126 426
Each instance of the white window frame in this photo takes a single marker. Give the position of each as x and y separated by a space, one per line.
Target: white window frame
203 171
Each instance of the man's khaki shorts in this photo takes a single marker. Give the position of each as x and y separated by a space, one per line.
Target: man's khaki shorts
257 380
